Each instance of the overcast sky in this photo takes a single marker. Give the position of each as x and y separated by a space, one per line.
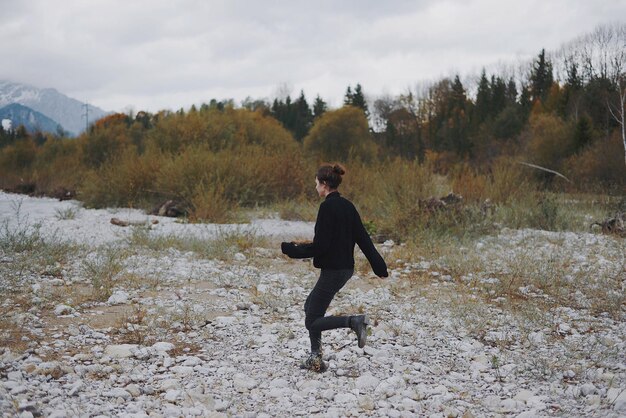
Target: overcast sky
156 54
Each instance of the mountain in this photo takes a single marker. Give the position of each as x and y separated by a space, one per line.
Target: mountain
66 111
31 119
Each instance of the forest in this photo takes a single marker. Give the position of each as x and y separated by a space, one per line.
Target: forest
518 143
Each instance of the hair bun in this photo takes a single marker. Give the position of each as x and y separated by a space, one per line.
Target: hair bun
339 169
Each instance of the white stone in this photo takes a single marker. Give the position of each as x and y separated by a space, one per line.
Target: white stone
133 389
182 370
409 404
15 376
265 350
243 383
536 338
221 406
345 398
120 350
119 297
510 405
618 398
117 393
523 395
279 383
239 257
76 387
366 403
172 395
367 382
225 320
168 384
63 310
163 347
588 389
192 361
19 389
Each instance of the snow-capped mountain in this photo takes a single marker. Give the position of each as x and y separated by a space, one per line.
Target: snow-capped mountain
68 112
31 119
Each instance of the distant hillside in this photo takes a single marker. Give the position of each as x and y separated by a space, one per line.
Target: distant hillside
66 111
31 119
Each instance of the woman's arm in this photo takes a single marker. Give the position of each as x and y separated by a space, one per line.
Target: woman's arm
322 240
366 245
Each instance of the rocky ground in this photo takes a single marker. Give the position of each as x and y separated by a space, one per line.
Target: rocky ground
180 334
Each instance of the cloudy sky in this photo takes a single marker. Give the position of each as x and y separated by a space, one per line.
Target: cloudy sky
156 54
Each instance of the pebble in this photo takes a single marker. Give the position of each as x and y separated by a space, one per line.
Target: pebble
119 297
61 310
119 351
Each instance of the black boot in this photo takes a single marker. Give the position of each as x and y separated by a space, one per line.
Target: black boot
359 324
314 363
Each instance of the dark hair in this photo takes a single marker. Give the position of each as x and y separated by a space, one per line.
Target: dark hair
330 174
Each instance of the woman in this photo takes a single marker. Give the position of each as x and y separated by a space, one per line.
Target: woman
337 228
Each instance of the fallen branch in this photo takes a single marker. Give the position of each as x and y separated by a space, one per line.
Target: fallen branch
119 222
545 169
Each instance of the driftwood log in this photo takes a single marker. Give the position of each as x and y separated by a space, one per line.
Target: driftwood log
120 222
615 225
170 208
439 204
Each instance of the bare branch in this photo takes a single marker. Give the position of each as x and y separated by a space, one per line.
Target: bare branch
545 169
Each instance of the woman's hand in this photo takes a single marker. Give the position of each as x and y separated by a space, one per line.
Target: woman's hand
287 247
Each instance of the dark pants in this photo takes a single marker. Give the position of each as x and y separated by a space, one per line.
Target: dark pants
327 286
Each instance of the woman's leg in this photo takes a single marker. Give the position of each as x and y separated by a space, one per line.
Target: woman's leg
327 286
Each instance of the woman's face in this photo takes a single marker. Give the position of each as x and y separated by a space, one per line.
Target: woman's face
322 189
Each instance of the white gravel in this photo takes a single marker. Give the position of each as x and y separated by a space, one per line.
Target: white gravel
225 338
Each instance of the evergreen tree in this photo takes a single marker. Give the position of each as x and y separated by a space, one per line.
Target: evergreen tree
583 133
511 93
303 117
319 107
541 78
498 96
295 117
356 99
483 100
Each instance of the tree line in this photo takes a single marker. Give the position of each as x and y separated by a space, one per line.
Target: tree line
564 111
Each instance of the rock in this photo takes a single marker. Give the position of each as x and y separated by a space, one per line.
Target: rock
182 370
279 383
163 347
221 406
75 388
618 398
587 389
168 384
15 376
191 361
243 383
345 398
18 390
366 403
120 350
265 350
224 321
239 257
119 297
60 310
172 395
523 395
143 353
367 382
117 393
133 389
450 412
510 405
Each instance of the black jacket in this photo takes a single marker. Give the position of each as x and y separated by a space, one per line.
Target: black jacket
337 228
